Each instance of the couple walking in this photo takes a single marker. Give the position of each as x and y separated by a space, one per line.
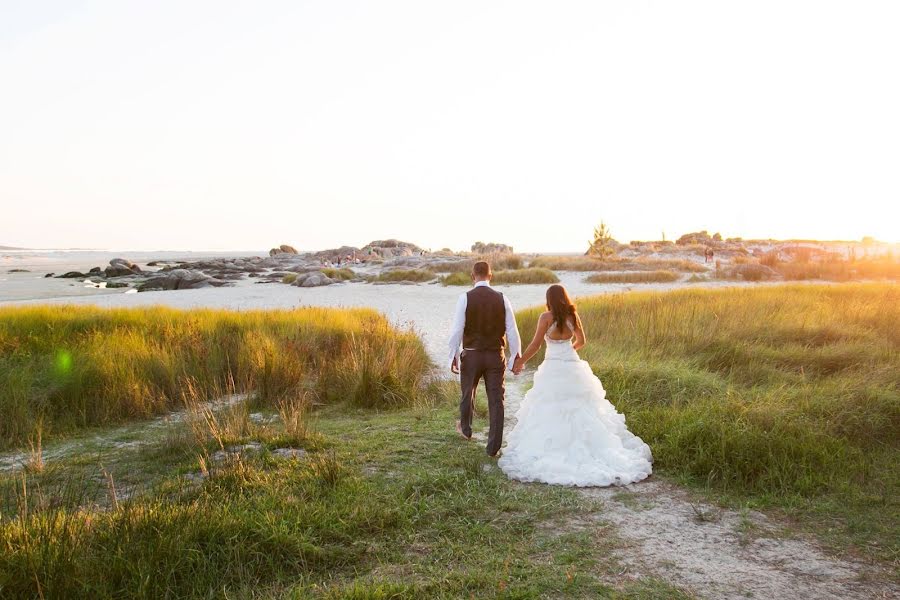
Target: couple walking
566 432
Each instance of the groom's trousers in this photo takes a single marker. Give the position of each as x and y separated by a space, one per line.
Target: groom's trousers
491 366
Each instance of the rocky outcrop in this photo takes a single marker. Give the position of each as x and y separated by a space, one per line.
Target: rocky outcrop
491 248
390 249
122 267
72 275
335 254
312 279
179 279
282 249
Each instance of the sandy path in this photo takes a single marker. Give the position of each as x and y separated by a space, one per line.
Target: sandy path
714 552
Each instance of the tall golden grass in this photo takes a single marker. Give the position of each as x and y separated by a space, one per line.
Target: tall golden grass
68 367
784 394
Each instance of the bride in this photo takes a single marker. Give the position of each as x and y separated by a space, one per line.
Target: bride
567 433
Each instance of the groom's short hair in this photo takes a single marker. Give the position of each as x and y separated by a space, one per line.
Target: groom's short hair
481 269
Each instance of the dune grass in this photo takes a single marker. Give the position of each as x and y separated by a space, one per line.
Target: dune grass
634 277
784 396
587 263
63 368
516 276
404 275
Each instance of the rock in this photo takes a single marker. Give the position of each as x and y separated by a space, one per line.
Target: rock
18 271
282 249
49 275
122 267
124 262
289 452
491 248
334 254
116 284
312 279
179 279
390 249
71 275
95 271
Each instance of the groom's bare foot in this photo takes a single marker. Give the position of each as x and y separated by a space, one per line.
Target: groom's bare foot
460 431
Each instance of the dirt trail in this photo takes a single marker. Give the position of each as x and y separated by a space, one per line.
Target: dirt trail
714 552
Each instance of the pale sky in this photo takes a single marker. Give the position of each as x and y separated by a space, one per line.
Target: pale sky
243 125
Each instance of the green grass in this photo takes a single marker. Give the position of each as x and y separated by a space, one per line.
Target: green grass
384 505
401 275
64 368
785 397
634 277
587 263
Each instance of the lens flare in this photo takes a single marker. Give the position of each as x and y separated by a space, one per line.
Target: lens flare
63 362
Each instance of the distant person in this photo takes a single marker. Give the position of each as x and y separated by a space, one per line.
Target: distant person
709 255
567 432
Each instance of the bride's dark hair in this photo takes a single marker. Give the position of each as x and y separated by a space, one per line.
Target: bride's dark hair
559 304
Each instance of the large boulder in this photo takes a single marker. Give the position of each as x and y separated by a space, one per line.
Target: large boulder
491 248
282 249
334 254
179 279
312 279
122 267
390 249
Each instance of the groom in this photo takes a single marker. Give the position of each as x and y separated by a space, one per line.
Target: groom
483 322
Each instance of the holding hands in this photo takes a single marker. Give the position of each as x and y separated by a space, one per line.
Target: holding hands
518 365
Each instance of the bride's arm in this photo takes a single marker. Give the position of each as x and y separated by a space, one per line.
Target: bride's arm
580 340
542 325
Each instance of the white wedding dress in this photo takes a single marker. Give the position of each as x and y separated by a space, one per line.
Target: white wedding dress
567 432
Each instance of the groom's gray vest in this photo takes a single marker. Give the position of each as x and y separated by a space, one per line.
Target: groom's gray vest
485 319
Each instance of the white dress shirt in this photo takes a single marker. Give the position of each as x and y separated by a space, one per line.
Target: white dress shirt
459 325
